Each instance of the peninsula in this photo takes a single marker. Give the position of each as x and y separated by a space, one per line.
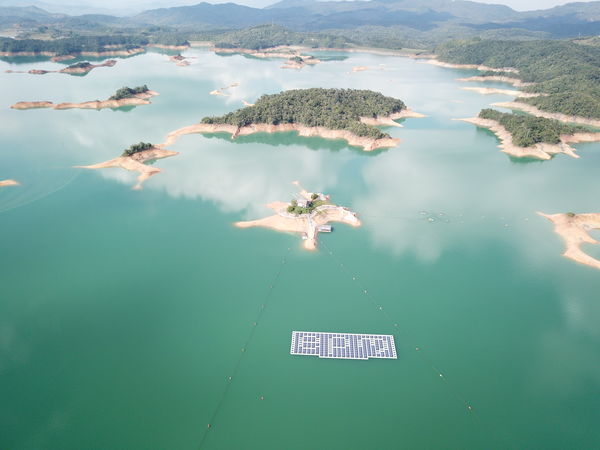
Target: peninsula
125 96
574 229
532 137
134 159
347 114
307 215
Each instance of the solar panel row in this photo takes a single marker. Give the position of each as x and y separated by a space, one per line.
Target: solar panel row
343 345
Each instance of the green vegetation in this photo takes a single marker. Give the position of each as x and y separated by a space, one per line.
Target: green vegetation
311 205
529 130
568 72
127 92
137 148
268 36
336 109
80 65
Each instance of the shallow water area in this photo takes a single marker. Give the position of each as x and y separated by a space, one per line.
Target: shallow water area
124 313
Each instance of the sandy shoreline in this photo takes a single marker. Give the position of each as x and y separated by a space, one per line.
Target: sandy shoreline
491 91
136 100
574 229
548 115
305 224
497 78
540 150
482 68
135 163
367 144
4 183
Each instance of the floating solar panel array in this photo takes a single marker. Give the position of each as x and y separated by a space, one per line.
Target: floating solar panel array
343 345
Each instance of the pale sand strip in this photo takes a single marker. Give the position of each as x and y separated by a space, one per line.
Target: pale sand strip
135 163
548 115
367 144
497 78
479 67
539 151
282 221
4 183
511 92
138 99
574 229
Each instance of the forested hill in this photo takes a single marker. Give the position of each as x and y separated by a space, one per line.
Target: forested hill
336 109
567 72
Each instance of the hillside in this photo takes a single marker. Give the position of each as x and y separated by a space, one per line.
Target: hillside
565 71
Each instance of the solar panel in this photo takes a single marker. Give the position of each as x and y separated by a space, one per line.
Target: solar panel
343 345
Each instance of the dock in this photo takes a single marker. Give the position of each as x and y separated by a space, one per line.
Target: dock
343 345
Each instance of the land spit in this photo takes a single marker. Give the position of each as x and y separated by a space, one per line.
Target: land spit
136 163
69 70
135 100
4 183
574 229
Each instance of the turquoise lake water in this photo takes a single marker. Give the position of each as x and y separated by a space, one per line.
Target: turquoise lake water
124 313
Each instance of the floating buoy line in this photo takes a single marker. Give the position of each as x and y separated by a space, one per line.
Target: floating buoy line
450 385
231 378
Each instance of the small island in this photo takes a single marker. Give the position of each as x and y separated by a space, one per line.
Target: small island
134 159
4 183
298 62
307 215
524 136
179 60
125 96
347 114
574 229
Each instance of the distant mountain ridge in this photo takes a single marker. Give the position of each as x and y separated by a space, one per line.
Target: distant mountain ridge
452 16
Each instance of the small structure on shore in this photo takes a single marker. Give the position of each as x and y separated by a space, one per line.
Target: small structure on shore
308 216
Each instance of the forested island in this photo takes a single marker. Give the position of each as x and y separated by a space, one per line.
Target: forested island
348 114
125 96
